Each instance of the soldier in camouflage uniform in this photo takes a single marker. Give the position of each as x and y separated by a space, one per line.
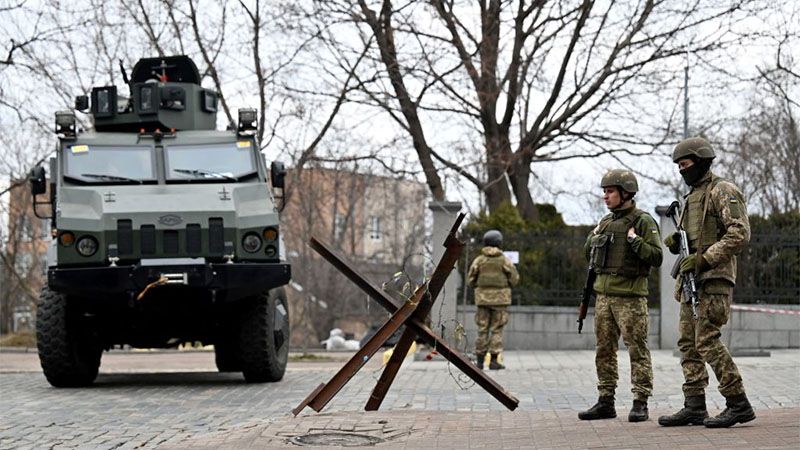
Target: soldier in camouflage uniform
492 275
622 249
715 219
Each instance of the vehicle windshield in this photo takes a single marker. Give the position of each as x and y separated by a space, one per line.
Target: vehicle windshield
214 162
109 164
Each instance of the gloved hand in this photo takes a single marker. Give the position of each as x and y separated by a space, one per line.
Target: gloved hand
694 263
673 243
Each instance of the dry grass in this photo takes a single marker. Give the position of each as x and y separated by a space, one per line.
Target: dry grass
23 339
310 357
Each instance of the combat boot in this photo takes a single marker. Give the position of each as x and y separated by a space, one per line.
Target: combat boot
603 409
493 364
638 412
480 358
693 413
738 410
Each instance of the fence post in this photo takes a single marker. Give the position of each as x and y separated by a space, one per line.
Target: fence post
443 312
668 308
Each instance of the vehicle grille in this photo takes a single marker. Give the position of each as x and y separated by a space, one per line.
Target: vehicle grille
193 237
216 236
125 237
148 236
170 242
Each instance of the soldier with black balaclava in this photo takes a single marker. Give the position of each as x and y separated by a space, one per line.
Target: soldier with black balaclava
714 217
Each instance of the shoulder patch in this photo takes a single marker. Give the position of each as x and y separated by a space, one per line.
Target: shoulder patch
726 187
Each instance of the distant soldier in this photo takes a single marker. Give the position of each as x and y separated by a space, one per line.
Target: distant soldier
492 275
623 247
715 220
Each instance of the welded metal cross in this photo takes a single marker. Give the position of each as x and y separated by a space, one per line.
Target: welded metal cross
412 314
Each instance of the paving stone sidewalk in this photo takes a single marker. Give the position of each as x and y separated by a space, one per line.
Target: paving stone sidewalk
773 429
177 400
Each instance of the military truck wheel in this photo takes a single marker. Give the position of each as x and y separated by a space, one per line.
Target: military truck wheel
226 355
68 357
264 337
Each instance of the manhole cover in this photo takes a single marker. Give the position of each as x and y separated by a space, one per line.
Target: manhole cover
336 439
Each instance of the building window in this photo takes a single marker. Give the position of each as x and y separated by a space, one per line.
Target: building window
24 263
375 228
26 228
339 221
44 228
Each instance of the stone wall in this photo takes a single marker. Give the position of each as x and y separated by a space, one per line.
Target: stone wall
749 329
555 328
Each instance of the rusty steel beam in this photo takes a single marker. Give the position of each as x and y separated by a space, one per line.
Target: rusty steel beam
453 246
323 394
337 382
308 399
465 365
354 275
415 321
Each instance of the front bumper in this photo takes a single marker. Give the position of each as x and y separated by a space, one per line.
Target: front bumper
227 281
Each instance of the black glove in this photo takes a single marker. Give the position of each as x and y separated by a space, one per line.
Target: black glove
673 243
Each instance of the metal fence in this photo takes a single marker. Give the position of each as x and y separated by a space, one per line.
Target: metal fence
769 268
553 268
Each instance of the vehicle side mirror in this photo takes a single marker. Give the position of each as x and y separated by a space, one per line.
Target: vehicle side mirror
81 103
37 180
277 172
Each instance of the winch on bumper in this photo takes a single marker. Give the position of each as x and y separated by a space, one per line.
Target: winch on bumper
229 281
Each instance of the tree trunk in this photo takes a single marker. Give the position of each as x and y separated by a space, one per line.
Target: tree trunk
384 34
519 174
496 187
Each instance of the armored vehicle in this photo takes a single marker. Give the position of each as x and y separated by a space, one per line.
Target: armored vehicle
165 231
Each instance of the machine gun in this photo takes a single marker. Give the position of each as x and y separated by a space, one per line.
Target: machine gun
688 280
588 290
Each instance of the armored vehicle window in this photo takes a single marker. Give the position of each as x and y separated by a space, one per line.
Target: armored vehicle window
109 164
215 162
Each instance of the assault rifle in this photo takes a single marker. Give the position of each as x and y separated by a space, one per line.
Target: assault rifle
588 291
688 280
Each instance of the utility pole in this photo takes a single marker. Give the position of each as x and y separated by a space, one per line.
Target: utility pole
686 98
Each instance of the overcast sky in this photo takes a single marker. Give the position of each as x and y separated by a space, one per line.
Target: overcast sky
572 185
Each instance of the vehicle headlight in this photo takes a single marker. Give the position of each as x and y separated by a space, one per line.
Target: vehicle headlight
66 238
251 242
270 234
87 246
271 251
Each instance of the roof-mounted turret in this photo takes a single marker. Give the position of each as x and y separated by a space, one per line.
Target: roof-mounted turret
165 93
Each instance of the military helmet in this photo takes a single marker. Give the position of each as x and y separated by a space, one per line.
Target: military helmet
493 238
695 146
625 179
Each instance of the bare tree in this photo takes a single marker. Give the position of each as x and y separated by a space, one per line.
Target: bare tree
763 156
21 258
784 75
535 81
373 218
245 51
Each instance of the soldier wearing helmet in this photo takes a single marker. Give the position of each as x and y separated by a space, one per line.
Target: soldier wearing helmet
714 217
492 275
622 249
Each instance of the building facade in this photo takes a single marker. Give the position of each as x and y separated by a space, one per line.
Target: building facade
376 222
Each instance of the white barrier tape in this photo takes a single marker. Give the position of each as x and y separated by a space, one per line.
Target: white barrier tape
766 310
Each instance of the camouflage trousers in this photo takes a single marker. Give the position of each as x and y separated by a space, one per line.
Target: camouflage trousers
699 342
490 321
627 316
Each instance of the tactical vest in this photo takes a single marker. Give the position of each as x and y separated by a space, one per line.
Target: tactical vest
692 220
491 274
612 253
